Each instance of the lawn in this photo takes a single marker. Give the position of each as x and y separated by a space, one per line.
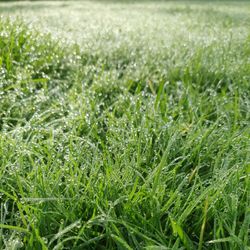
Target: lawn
125 125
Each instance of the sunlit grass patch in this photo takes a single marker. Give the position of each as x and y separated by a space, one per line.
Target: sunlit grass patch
139 141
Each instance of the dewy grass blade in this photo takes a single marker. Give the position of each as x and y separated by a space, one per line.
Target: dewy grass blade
203 224
65 230
15 228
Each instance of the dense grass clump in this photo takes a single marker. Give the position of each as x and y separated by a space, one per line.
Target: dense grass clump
131 143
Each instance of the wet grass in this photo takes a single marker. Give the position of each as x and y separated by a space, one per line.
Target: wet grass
128 134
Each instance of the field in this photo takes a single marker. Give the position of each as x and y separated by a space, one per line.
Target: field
125 125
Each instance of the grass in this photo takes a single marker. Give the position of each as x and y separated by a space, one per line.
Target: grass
131 133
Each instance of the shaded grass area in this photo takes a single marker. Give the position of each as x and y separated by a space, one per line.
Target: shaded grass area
127 148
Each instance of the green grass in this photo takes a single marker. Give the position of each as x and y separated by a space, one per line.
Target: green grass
128 133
